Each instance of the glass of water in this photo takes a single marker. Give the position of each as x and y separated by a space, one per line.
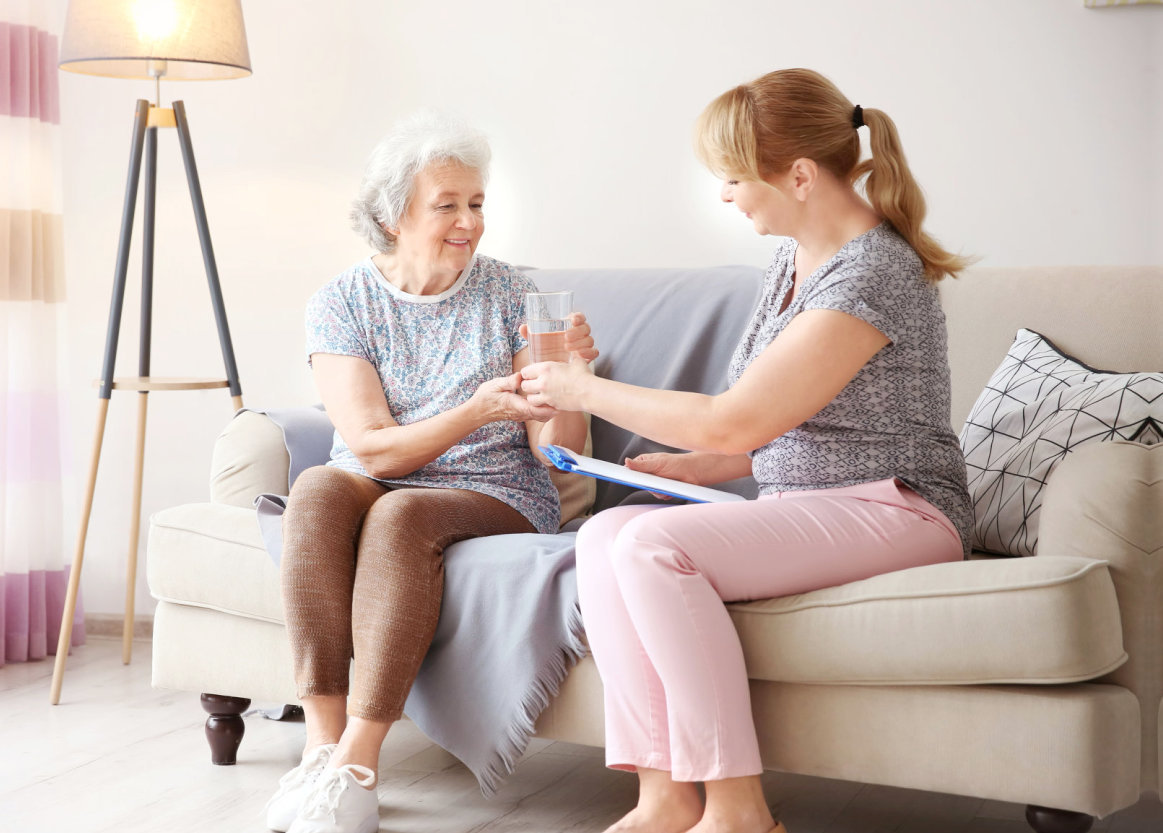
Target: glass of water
547 319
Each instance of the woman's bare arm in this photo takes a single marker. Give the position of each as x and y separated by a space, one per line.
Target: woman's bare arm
354 398
798 374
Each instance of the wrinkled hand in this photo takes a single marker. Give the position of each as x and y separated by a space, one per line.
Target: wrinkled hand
664 464
498 400
578 339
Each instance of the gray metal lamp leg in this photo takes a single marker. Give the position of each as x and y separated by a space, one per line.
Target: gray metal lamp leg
208 253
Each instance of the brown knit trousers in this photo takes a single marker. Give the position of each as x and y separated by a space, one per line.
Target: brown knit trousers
363 575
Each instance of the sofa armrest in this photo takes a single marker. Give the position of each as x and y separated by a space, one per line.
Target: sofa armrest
249 459
1105 500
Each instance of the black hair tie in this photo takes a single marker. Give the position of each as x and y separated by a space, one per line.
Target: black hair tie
858 117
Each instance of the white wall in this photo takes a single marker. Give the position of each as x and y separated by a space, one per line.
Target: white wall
1034 127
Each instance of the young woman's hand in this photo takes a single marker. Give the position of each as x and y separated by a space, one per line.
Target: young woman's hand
664 464
559 385
498 399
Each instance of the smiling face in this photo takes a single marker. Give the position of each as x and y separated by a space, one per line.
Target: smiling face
765 205
444 221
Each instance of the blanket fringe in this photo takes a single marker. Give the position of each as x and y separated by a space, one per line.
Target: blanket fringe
544 689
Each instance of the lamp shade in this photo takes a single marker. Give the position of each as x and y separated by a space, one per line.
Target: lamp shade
192 40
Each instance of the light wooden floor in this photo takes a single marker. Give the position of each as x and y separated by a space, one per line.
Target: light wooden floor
116 755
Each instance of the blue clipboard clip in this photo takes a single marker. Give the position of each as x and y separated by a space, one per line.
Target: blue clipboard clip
559 457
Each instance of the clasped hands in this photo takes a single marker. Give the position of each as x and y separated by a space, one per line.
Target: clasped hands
540 391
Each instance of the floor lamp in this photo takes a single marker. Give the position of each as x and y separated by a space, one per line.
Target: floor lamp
151 40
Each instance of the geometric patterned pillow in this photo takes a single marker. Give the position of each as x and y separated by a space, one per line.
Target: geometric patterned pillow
1038 406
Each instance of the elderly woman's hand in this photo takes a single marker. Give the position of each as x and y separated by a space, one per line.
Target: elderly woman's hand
578 340
498 399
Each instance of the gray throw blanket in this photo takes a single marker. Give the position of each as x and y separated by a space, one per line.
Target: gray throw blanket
509 630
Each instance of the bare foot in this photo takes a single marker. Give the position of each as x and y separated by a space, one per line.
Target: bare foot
736 825
708 825
736 805
664 805
667 819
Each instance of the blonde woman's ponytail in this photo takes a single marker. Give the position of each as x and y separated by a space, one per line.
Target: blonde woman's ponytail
895 195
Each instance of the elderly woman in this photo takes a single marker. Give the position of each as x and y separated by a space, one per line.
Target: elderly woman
417 352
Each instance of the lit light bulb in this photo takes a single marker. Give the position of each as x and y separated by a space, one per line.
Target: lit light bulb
156 19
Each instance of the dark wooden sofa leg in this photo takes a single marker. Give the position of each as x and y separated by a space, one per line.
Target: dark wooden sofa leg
1047 820
224 726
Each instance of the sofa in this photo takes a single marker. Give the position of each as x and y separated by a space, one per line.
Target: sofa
1034 680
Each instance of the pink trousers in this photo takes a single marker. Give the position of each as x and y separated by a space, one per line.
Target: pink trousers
653 580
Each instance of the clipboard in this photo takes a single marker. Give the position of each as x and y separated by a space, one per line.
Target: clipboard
570 461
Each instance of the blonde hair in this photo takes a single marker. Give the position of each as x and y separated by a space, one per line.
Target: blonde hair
759 129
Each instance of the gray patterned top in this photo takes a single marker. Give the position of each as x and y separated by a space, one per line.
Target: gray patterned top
892 419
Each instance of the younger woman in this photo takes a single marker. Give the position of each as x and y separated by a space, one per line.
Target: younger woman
838 405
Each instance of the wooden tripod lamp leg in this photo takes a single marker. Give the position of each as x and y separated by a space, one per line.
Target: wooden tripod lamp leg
134 531
66 636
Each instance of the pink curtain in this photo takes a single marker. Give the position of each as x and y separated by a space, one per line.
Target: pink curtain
33 538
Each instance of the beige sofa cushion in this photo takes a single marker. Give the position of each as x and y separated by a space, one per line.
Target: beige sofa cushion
1022 620
1033 620
211 555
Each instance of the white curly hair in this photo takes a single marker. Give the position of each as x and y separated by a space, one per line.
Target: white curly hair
389 179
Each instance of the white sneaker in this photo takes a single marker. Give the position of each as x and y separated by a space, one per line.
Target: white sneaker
339 803
284 805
